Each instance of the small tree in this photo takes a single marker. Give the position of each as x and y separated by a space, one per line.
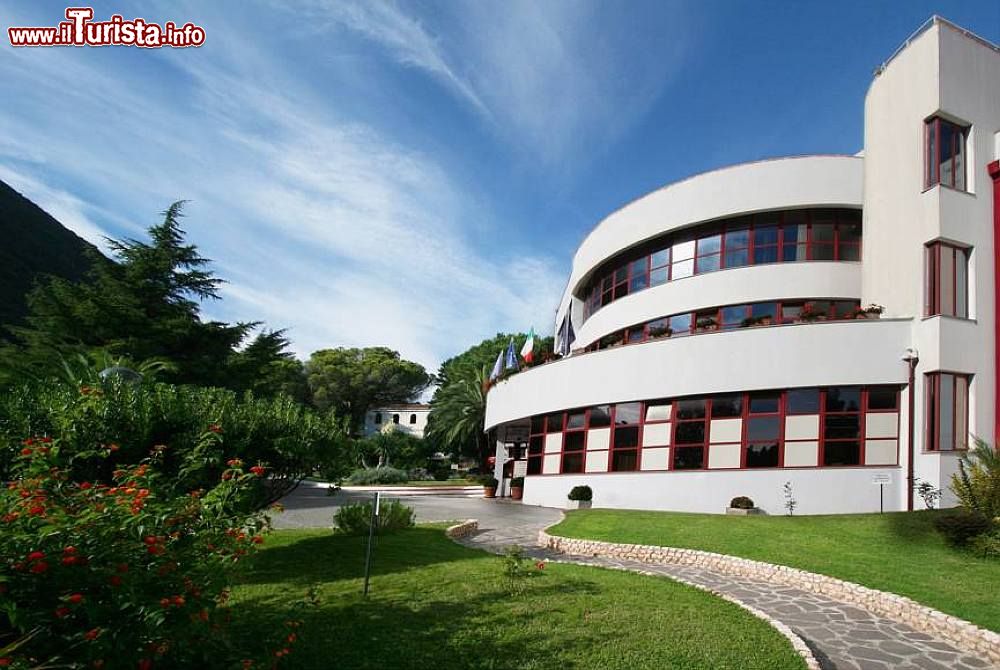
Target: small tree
977 482
790 502
927 492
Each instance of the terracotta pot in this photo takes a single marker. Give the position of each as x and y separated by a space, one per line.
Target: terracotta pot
516 492
489 492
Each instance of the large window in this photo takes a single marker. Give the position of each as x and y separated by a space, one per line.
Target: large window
690 433
574 441
769 237
763 430
625 439
947 411
944 161
947 280
841 426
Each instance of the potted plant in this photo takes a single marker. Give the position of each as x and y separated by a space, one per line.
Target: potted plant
809 313
580 497
873 311
490 484
517 488
742 506
707 323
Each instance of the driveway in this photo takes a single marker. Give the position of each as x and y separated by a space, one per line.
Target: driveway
309 506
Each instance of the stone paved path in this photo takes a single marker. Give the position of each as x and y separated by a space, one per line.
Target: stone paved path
842 636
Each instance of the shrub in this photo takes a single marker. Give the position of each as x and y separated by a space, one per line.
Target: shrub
514 570
292 439
987 545
377 476
355 519
488 481
442 474
959 526
977 482
583 493
741 502
517 483
121 574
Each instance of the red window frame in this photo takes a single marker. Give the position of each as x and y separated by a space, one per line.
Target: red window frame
748 415
614 448
933 284
824 441
706 420
961 383
932 154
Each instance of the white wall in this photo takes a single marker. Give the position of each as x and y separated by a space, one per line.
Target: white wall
404 425
817 490
751 187
814 279
818 354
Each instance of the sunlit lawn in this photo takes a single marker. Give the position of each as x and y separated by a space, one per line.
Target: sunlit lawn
898 552
437 605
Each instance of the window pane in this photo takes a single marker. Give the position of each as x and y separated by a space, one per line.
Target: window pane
849 252
575 419
947 280
765 313
628 412
690 409
842 426
959 158
682 251
737 239
844 309
600 416
732 317
658 276
764 403
822 252
944 153
660 258
763 235
765 254
624 461
883 398
638 283
658 328
843 399
690 432
709 245
790 312
682 269
961 283
537 424
536 445
636 335
611 341
961 412
707 264
763 428
946 430
931 159
626 438
658 411
689 458
737 257
534 466
727 405
762 455
553 423
621 274
572 462
795 252
680 323
822 233
574 441
803 401
841 453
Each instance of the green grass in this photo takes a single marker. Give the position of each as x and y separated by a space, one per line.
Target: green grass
900 552
437 605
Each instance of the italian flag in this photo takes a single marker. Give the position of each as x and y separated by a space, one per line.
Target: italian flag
528 350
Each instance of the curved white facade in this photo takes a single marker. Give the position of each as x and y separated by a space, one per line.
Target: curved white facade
748 364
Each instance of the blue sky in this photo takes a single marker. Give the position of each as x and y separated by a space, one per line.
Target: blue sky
418 174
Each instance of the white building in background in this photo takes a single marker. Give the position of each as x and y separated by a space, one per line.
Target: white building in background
409 418
721 348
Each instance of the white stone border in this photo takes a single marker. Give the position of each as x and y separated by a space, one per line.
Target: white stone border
963 634
462 529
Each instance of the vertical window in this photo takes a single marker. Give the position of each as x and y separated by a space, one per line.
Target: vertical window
638 271
413 419
763 430
947 280
625 437
682 260
709 254
378 417
659 267
690 434
536 445
841 428
947 411
944 161
574 442
395 418
737 248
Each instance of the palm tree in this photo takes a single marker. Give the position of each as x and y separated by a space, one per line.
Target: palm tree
458 416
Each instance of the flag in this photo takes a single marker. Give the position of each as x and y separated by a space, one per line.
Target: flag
497 367
528 350
566 336
510 362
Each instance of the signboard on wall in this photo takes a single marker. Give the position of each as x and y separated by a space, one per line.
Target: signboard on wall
520 468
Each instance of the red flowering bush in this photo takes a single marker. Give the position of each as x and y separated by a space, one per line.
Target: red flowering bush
120 574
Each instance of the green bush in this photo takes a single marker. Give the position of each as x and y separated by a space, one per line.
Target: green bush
987 544
442 474
977 482
290 438
517 483
741 502
960 526
355 519
487 481
124 574
377 476
583 493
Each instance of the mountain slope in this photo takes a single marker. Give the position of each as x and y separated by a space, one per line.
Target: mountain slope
32 244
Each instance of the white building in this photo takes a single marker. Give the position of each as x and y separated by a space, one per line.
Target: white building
409 418
716 349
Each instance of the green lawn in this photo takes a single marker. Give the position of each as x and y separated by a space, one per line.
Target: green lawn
437 605
898 552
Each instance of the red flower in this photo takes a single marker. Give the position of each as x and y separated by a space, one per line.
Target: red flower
164 603
85 485
28 442
113 447
150 539
47 440
76 598
115 580
92 634
36 556
7 518
257 539
145 664
234 463
540 565
39 567
61 612
215 428
226 476
178 600
36 510
6 662
69 550
258 470
69 560
26 452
